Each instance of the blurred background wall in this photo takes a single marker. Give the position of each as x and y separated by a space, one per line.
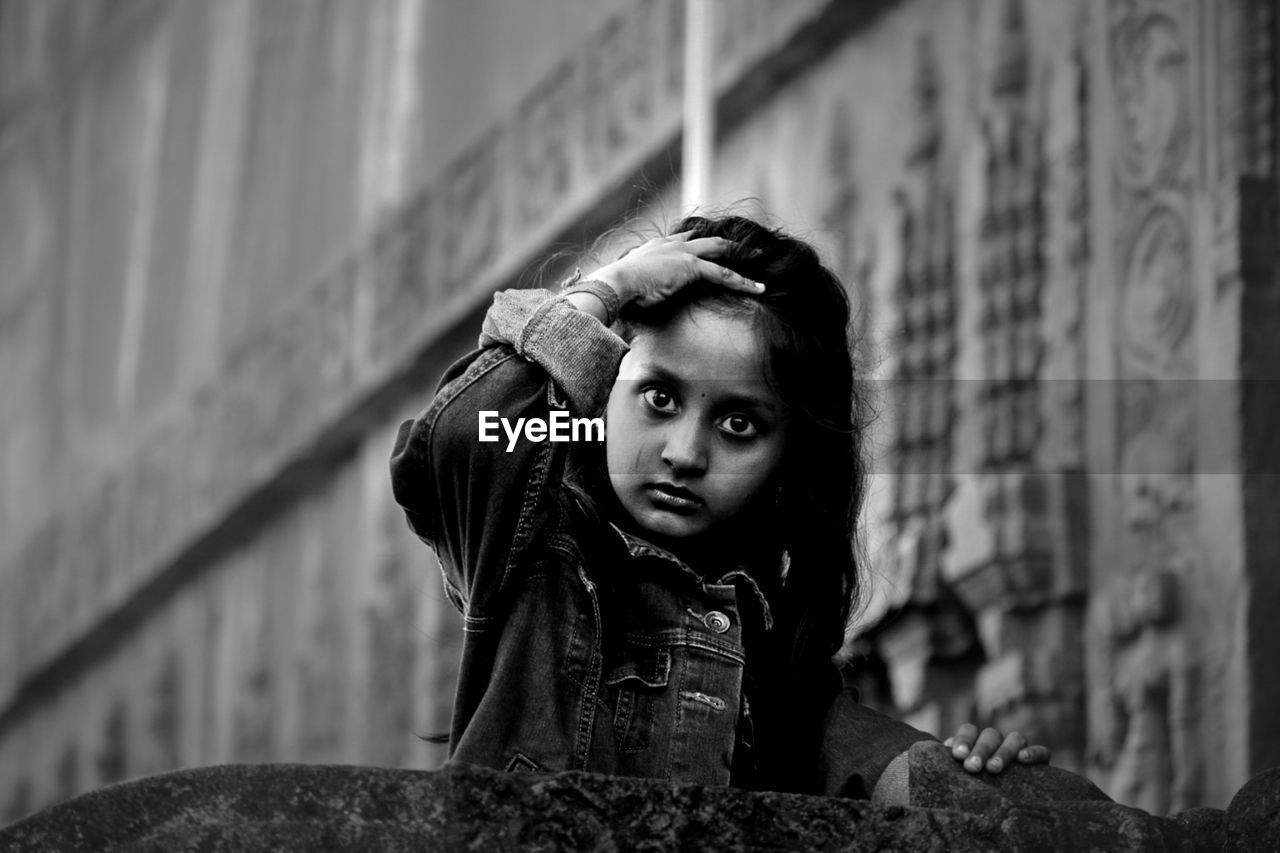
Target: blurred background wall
240 240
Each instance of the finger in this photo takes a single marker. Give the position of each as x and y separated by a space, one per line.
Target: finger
949 741
1006 752
1034 755
730 279
987 743
709 247
963 740
679 235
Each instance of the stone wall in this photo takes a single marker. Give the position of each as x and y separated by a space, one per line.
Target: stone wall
241 240
1070 548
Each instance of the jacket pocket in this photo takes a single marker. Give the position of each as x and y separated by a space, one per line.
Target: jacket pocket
640 680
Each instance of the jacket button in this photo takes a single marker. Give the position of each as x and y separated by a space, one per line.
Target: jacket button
716 621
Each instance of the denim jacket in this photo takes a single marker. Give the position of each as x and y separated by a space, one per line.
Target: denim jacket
587 647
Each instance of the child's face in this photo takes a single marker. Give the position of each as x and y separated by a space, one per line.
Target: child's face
693 431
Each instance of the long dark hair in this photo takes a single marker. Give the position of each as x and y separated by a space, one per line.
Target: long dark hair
803 316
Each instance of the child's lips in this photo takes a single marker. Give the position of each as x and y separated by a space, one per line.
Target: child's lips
673 497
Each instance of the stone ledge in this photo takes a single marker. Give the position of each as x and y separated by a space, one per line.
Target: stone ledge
327 807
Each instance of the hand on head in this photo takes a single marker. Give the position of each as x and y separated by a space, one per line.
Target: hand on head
660 268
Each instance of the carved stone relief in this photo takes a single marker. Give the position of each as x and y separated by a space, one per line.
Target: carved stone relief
402 281
1022 509
1016 566
1261 28
544 140
1158 302
1070 253
1145 743
1154 759
472 219
1011 255
927 304
853 258
1156 313
931 625
1151 85
619 77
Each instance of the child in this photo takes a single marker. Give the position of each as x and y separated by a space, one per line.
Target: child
665 603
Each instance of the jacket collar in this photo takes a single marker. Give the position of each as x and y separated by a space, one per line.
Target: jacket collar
638 548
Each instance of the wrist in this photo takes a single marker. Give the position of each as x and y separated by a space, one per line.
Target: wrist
594 296
615 278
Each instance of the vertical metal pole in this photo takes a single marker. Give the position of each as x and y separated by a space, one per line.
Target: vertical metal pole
699 105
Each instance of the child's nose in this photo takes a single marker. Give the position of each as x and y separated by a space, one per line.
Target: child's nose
685 450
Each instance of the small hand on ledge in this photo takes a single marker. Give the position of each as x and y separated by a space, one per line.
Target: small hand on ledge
926 775
992 751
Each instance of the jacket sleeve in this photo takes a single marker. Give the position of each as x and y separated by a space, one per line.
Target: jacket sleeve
579 353
864 751
478 504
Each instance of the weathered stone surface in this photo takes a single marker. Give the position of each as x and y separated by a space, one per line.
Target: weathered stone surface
936 784
1253 818
1047 808
1205 824
326 807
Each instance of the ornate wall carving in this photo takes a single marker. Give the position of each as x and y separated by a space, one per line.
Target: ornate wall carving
621 89
1025 583
1012 243
1145 738
854 253
927 297
928 627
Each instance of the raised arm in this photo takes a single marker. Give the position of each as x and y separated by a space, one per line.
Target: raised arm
478 503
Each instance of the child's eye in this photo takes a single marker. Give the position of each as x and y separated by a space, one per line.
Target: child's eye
738 426
660 399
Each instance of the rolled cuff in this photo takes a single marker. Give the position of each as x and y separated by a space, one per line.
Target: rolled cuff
860 745
577 351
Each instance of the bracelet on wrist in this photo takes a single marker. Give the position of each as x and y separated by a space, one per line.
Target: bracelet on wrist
607 295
